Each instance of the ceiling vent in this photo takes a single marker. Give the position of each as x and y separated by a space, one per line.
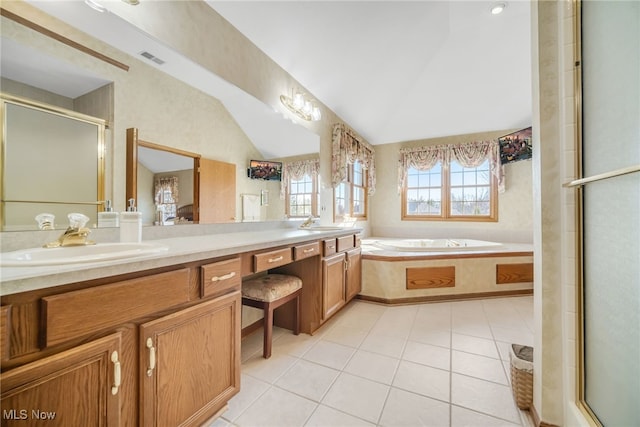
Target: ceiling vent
152 57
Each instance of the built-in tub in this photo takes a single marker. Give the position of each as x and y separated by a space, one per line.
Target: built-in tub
435 244
398 270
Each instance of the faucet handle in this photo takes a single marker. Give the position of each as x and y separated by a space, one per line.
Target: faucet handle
77 220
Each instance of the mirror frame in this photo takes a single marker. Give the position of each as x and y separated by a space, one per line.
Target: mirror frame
131 186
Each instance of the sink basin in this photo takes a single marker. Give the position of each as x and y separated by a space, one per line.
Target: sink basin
78 254
323 228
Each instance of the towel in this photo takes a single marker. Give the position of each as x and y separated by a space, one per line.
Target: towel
250 207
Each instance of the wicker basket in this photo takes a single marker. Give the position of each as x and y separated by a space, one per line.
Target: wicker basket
521 358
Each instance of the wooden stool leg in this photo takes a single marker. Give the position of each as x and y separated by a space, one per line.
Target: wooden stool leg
268 331
296 317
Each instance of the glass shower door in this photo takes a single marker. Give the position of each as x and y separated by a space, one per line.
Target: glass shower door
610 61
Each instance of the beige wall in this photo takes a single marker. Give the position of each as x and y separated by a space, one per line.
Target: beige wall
165 110
515 217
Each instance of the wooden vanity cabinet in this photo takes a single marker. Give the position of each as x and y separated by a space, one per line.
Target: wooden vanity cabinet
333 284
190 363
160 348
353 284
77 387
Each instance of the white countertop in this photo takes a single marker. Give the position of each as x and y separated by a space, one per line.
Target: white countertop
180 250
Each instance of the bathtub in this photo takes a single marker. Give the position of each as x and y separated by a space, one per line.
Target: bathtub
420 245
400 271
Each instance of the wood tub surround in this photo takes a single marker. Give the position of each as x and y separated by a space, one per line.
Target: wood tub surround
144 334
412 277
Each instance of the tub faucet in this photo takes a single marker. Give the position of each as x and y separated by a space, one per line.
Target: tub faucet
75 235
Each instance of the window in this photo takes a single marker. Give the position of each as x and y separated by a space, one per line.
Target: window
450 192
350 196
302 197
167 196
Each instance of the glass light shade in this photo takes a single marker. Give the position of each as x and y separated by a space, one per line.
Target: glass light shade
308 108
298 101
316 115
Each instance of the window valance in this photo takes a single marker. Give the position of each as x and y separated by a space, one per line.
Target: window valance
469 155
348 148
164 185
297 170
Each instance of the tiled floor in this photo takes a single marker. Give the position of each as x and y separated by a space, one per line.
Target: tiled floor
439 364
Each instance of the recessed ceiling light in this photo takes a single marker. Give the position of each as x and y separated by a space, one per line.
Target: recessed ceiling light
497 8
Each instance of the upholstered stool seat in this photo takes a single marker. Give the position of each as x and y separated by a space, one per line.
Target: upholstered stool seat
268 293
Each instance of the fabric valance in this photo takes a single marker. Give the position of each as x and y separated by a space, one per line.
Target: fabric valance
347 148
469 155
297 170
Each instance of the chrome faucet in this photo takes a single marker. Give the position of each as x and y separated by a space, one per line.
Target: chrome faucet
75 235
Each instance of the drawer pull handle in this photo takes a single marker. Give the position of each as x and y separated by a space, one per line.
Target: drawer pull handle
331 246
223 277
117 373
308 251
276 259
152 357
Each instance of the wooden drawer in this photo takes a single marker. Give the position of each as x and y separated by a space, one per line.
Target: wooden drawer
329 247
345 243
306 251
271 259
74 314
219 277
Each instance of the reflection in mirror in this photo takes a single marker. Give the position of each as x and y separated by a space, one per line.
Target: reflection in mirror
56 167
162 182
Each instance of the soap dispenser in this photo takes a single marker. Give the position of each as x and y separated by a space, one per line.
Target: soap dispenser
131 224
108 218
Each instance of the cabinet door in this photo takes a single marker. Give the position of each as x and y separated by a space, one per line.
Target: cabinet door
78 387
217 191
354 273
190 363
333 284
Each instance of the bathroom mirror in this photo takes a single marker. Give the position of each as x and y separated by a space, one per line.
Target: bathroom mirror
162 182
55 167
263 133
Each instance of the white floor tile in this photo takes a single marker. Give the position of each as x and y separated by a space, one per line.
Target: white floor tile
372 366
424 380
277 407
325 416
357 396
485 397
462 417
329 354
294 345
308 379
408 409
427 354
267 370
388 366
384 344
475 345
250 389
485 368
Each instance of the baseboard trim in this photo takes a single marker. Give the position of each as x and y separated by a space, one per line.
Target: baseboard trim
248 330
536 418
448 297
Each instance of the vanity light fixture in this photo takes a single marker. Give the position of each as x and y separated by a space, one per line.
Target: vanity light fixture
301 106
497 8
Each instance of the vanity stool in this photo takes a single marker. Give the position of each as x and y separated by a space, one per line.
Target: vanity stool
268 293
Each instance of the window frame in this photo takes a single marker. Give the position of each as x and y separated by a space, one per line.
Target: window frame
445 192
350 185
314 197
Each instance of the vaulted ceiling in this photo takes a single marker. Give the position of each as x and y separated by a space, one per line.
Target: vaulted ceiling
401 70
